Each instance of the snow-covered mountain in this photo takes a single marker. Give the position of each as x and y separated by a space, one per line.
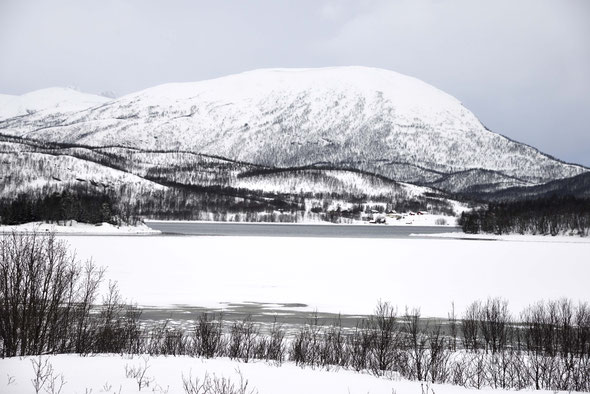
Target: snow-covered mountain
46 102
362 118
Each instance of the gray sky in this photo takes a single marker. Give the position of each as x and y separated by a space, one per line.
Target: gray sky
522 66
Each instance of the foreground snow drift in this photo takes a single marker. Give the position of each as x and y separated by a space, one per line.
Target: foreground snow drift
107 374
339 275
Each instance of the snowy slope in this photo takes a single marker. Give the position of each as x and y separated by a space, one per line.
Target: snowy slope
38 171
48 101
324 181
371 119
485 180
5 100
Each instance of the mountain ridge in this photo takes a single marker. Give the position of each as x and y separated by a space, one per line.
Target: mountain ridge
54 99
375 120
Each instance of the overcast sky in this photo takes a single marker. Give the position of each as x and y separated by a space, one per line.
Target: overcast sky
522 66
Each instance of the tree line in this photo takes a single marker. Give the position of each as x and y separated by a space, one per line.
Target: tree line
546 216
87 205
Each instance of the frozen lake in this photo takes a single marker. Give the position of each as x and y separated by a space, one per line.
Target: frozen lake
296 230
336 275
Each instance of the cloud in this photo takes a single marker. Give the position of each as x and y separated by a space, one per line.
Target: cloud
520 66
330 10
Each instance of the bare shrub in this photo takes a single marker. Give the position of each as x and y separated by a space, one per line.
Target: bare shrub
275 347
44 377
271 347
242 341
165 340
117 326
138 372
332 350
212 384
359 345
208 340
306 343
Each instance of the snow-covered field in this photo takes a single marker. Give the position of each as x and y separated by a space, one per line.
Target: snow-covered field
165 375
338 274
74 228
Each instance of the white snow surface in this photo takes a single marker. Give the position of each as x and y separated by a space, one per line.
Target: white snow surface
97 373
50 100
407 94
75 228
337 274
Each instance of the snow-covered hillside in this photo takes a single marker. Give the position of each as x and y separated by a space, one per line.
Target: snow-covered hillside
46 102
326 181
24 171
365 118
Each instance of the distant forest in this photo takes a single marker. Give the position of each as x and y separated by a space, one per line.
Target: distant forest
82 205
546 216
89 204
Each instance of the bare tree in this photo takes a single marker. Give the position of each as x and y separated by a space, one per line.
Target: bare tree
470 324
417 343
42 294
208 339
494 323
386 337
452 319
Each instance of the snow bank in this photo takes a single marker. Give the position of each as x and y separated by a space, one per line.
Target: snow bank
74 228
106 374
510 237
